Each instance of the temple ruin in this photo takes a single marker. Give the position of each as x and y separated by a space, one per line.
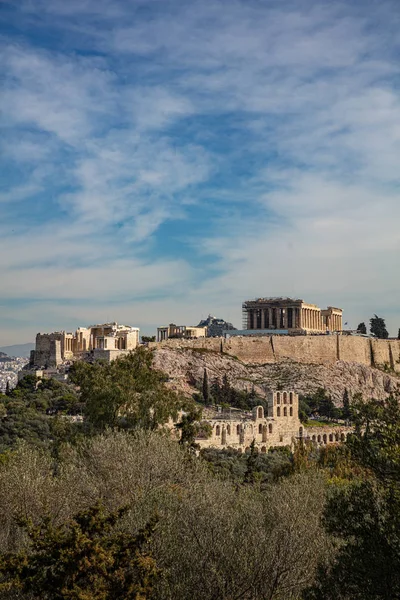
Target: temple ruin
106 341
290 315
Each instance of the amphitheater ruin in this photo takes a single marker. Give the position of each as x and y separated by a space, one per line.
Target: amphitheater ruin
281 426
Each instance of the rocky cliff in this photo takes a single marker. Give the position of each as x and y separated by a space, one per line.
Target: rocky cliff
185 367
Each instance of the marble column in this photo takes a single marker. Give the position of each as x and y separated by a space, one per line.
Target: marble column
262 318
278 318
286 319
270 317
249 319
254 319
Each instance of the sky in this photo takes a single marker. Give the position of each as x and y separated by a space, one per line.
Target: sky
166 159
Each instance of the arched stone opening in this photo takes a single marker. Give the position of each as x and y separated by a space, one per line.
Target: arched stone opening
319 439
278 411
278 398
291 411
260 428
218 430
237 429
247 450
263 450
342 437
285 412
290 397
228 429
270 428
260 412
284 398
331 437
325 439
314 439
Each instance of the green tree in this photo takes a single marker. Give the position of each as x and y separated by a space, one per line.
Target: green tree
205 387
364 515
85 559
378 327
346 411
362 328
189 426
398 335
148 338
127 392
251 469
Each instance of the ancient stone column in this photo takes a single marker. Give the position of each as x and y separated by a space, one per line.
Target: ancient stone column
262 318
270 317
249 319
254 319
286 319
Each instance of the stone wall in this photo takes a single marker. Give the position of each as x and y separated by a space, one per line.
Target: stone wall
48 349
303 349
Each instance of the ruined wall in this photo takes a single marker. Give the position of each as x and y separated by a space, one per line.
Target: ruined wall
319 349
47 351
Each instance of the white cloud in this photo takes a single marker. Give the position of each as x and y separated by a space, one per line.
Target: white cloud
299 98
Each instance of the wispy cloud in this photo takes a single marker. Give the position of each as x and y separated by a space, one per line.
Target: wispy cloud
179 157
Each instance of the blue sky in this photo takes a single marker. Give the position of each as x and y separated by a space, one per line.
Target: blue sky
162 160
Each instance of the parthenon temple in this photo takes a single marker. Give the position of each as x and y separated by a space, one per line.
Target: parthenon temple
288 314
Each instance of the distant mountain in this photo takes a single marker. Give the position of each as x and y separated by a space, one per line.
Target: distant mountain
215 326
22 350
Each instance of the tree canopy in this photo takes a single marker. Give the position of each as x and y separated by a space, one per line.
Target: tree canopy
127 392
378 327
87 558
364 514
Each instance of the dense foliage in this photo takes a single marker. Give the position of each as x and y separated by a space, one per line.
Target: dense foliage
364 514
302 522
86 558
126 392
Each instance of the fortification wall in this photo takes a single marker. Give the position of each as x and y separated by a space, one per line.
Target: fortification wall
354 349
48 349
394 354
323 349
306 349
255 350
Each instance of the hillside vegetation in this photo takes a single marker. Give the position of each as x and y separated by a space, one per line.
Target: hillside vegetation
114 507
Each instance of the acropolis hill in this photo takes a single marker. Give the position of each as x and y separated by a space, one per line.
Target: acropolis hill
321 350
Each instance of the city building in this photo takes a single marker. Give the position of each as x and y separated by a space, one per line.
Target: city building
180 331
289 315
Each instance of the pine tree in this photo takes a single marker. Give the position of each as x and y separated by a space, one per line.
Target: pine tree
88 557
362 328
378 327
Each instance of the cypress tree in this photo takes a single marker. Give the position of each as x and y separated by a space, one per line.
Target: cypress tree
206 390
